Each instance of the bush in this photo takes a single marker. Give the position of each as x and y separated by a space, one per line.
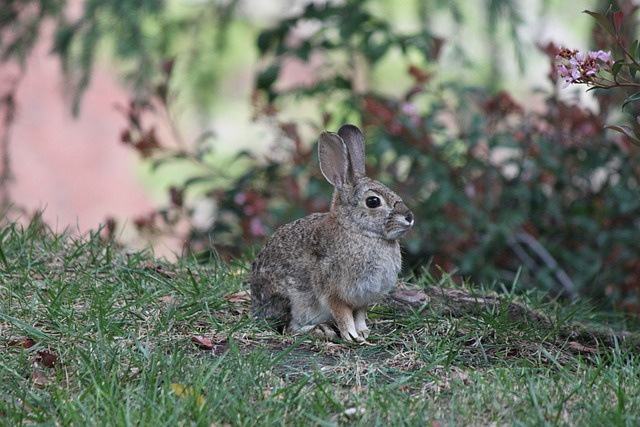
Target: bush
497 191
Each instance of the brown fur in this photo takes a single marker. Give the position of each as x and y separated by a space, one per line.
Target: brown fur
328 267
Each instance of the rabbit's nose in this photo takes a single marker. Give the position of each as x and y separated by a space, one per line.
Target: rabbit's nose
409 216
403 210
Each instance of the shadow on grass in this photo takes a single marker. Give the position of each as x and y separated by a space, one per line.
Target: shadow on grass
432 328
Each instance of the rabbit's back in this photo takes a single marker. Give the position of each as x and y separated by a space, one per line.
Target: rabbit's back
284 266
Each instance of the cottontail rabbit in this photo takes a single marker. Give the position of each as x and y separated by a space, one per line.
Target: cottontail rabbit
326 268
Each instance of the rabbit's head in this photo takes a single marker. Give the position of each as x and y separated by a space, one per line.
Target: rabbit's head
360 203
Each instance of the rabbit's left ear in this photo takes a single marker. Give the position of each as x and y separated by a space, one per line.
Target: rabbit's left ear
354 140
334 161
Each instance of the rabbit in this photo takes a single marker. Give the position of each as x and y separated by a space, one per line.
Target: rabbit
326 268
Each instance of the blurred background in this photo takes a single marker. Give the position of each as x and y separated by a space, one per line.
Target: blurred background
190 126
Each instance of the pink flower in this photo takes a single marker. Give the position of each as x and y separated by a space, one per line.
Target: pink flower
256 228
409 109
565 74
240 198
575 67
575 73
601 55
412 112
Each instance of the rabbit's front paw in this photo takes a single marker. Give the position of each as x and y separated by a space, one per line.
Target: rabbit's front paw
364 333
354 338
343 315
360 320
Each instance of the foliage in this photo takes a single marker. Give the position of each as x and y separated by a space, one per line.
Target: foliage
497 187
139 37
613 74
497 190
92 334
494 188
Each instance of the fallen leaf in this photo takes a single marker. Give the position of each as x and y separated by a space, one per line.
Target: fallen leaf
39 378
184 392
24 405
25 342
166 299
47 358
202 342
239 297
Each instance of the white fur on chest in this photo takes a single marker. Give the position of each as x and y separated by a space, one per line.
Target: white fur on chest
373 285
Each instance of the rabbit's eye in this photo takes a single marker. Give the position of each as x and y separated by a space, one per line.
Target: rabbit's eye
372 202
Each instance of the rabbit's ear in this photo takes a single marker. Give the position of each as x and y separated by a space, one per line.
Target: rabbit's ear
334 162
352 136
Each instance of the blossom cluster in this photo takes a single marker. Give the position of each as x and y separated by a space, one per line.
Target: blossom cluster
575 67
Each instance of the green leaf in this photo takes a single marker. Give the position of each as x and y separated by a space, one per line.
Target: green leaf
633 69
28 329
63 39
4 260
626 131
205 137
632 98
634 50
197 180
267 77
304 50
267 39
374 50
157 163
617 66
601 20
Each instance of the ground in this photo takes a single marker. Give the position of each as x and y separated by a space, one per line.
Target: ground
91 333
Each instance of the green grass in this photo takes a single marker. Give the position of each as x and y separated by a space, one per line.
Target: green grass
119 327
